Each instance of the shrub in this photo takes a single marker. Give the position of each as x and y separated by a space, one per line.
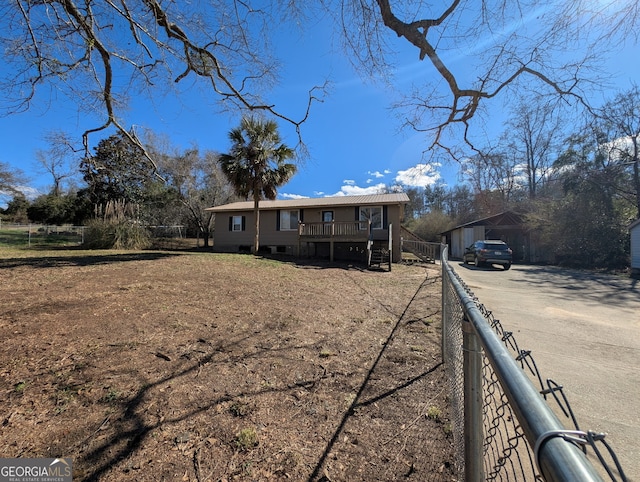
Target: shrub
115 234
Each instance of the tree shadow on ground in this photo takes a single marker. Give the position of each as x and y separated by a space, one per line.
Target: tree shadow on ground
600 287
132 429
359 401
322 263
486 267
82 260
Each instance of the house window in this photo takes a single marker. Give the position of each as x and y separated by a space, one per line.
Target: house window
374 214
237 223
289 220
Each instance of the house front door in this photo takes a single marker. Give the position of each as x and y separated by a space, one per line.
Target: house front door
327 219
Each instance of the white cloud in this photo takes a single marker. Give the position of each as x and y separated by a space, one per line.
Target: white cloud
375 173
618 149
349 182
352 190
420 175
29 192
293 196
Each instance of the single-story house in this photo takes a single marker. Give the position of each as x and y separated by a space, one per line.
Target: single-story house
634 231
339 227
507 226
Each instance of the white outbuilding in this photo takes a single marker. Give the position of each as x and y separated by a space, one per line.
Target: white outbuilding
634 231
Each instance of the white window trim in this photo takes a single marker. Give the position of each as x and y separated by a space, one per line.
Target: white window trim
370 208
238 224
289 228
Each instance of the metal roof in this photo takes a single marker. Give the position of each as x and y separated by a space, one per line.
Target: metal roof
334 201
514 217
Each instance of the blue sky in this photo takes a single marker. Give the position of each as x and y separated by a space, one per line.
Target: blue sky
353 136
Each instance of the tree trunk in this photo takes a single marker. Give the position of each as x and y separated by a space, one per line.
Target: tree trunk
202 230
636 173
256 216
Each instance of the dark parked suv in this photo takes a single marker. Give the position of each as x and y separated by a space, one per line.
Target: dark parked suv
488 252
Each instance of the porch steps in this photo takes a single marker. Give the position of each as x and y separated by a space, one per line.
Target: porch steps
415 249
380 257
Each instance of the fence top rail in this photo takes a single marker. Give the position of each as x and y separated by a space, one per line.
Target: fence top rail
5 225
557 459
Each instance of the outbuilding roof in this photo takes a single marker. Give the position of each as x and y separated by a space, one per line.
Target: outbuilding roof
505 218
333 201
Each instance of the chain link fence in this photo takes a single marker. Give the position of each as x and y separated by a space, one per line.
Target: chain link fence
37 235
503 427
52 236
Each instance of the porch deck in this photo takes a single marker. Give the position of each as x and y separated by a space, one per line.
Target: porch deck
333 232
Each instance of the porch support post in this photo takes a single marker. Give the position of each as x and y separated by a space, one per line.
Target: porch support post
390 247
333 231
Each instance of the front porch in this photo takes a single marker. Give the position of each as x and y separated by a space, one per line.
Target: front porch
340 232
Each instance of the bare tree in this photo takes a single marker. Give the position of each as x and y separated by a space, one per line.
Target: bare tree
533 141
199 184
10 180
481 50
618 124
58 160
99 52
493 172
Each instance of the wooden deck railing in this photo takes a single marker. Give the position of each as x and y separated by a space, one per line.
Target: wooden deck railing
428 252
335 229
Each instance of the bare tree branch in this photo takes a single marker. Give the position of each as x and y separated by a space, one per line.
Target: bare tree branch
83 46
509 46
99 52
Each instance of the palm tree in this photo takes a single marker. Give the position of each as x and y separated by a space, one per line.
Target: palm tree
256 165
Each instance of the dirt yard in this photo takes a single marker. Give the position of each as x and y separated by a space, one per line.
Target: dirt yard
153 366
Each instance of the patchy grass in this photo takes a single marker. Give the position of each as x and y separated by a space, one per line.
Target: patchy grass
161 365
39 237
246 439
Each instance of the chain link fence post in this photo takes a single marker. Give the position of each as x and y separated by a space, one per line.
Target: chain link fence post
445 306
473 429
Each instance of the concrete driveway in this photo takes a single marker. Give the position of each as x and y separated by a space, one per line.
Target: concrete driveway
583 330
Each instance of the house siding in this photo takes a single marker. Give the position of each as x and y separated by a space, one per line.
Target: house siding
234 239
287 241
634 231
